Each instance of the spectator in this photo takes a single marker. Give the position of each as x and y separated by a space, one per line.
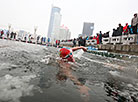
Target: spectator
87 38
29 39
7 34
119 30
38 37
130 29
125 29
48 40
94 37
44 39
114 32
97 38
11 35
82 41
134 23
41 40
103 35
90 37
25 38
56 42
2 32
106 35
74 42
100 37
14 35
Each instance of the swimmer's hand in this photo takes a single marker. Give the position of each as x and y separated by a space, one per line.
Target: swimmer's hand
84 49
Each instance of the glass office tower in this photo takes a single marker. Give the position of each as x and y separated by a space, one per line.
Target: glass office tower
54 24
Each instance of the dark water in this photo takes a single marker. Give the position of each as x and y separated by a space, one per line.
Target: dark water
33 73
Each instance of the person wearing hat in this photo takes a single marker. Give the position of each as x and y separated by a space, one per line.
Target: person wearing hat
134 23
65 71
67 54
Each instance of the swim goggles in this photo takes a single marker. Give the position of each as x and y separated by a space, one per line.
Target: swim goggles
69 55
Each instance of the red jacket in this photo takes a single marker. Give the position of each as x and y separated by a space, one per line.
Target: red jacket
125 28
97 38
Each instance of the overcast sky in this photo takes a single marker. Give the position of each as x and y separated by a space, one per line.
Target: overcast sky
106 14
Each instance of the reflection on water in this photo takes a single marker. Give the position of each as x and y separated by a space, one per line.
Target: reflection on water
66 72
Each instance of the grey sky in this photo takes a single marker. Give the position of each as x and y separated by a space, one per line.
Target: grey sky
106 14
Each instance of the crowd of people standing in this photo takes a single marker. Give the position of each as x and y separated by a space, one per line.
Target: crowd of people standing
119 31
127 29
11 35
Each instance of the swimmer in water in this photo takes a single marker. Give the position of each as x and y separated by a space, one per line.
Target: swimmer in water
65 71
67 54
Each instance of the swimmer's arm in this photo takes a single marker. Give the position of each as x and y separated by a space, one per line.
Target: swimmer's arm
77 48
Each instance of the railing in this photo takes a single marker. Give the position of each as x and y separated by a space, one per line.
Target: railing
106 40
129 39
115 40
67 43
124 39
91 42
88 42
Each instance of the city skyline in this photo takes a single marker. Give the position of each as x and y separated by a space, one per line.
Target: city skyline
54 23
88 29
106 14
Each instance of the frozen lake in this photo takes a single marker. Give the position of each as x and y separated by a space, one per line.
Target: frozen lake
34 73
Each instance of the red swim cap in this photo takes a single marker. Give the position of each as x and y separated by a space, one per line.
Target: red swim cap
64 52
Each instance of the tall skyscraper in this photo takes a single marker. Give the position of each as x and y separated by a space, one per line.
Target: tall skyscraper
54 24
87 29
